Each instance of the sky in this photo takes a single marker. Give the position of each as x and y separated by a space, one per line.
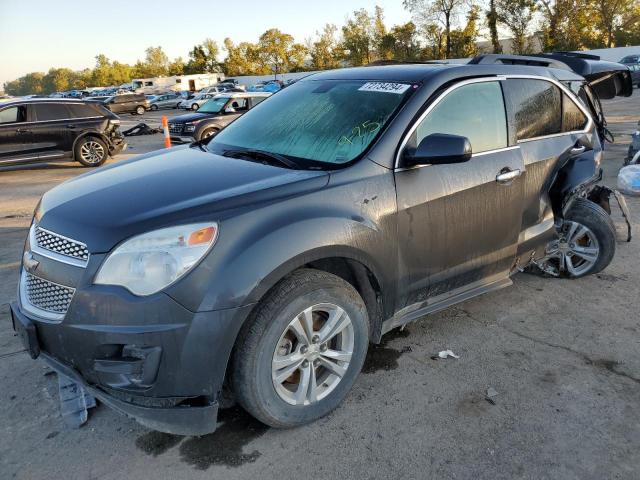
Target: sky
36 35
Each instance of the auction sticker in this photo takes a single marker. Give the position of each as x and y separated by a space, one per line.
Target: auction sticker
387 87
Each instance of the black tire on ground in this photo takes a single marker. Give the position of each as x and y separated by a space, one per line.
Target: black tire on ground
153 107
251 368
599 222
209 132
195 106
140 110
91 151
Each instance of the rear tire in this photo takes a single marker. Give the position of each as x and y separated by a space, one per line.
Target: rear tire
286 369
587 240
140 110
153 108
195 107
91 151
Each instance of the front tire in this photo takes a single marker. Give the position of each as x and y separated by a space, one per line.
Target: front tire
301 351
587 241
140 110
91 151
209 132
153 108
195 107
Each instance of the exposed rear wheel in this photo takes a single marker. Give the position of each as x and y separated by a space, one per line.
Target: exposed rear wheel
91 151
300 353
587 241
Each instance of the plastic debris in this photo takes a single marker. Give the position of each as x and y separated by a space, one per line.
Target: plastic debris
629 180
447 353
491 392
74 402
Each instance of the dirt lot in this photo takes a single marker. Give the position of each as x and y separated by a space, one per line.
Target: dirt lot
564 357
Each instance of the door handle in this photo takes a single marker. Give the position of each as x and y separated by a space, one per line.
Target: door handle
506 175
22 130
578 150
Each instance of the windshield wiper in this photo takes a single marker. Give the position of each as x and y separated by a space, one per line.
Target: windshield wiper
261 155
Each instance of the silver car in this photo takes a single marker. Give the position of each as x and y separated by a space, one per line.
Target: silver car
169 100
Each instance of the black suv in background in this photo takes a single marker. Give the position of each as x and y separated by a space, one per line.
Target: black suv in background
213 116
40 130
133 103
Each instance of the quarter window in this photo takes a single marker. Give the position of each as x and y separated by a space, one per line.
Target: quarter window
573 119
475 111
51 111
537 105
13 115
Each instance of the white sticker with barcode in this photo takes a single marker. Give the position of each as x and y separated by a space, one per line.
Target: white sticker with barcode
387 87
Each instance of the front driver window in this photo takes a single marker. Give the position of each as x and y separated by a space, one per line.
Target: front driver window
475 111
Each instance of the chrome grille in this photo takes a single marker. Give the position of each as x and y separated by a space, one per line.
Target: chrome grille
46 295
62 245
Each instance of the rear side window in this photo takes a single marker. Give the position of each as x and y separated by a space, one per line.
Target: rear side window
51 111
537 105
475 111
13 114
573 119
80 110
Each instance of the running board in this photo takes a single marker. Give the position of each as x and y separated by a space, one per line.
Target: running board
441 302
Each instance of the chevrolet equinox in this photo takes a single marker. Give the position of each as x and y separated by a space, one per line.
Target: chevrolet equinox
263 260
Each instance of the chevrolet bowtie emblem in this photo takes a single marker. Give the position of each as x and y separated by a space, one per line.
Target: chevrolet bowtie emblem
30 264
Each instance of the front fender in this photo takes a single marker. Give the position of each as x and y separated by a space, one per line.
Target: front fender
260 246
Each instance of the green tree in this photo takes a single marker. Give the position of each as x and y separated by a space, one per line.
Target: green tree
517 16
464 40
613 16
357 38
566 24
156 63
323 51
278 51
442 12
243 59
58 80
176 67
203 58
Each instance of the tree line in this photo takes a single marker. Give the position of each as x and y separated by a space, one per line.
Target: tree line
439 29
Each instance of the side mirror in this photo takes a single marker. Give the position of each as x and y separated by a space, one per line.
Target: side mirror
439 148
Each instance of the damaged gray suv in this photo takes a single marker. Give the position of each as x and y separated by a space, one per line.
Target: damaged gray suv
262 261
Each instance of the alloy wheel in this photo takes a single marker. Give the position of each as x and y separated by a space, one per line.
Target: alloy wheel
92 152
313 354
577 249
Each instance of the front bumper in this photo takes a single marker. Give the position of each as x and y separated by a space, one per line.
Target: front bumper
181 139
148 358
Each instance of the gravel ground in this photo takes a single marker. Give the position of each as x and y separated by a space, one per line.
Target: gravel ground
563 357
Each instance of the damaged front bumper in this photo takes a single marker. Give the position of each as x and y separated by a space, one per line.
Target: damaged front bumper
167 376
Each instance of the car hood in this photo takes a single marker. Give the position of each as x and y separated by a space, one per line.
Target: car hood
168 187
191 117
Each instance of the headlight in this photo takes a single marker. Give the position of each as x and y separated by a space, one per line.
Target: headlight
189 127
147 263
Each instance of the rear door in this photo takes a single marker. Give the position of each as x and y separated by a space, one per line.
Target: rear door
551 129
458 224
53 130
15 135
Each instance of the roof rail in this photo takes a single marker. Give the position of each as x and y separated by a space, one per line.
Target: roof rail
586 56
493 58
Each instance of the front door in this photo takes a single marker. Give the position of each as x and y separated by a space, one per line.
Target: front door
15 136
458 224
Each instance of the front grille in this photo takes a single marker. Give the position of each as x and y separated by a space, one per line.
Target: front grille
175 128
46 295
62 245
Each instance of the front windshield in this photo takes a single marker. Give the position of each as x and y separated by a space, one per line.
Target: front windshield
327 121
214 105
